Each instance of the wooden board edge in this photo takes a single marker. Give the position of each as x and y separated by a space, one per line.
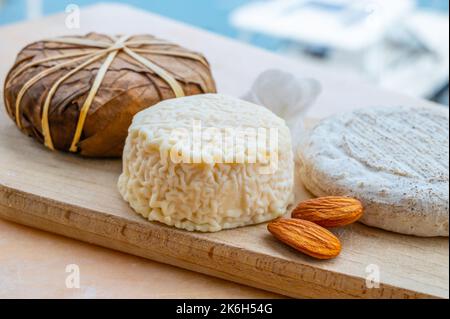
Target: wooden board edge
188 251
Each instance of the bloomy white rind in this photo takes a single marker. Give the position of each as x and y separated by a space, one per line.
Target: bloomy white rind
393 200
204 197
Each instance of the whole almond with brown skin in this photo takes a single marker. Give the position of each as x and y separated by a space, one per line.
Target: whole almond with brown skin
307 237
330 211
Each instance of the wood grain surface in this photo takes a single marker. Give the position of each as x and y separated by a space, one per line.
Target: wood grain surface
78 197
36 264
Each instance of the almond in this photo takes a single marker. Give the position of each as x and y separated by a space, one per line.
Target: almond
331 211
307 237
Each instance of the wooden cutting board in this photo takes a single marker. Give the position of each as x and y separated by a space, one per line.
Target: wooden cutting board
78 198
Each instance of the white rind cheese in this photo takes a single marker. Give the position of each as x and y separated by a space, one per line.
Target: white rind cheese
395 160
209 195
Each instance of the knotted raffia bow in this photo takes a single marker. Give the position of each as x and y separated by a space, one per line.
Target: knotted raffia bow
99 51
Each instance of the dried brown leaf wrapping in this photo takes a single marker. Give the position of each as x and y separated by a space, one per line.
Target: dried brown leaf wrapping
127 88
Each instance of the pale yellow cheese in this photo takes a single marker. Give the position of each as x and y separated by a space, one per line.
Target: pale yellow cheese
216 186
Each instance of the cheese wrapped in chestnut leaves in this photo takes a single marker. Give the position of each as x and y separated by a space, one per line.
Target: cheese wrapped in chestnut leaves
80 93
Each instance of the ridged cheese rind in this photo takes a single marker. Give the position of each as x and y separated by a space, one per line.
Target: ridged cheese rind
208 196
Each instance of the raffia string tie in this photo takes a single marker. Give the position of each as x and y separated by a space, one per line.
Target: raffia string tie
98 50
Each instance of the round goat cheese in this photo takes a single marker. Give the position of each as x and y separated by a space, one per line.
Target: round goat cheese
395 160
207 163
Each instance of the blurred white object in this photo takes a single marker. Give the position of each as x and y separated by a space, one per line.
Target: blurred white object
416 53
387 43
286 95
343 24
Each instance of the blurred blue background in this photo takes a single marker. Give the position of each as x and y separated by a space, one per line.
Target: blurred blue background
208 14
237 19
212 15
